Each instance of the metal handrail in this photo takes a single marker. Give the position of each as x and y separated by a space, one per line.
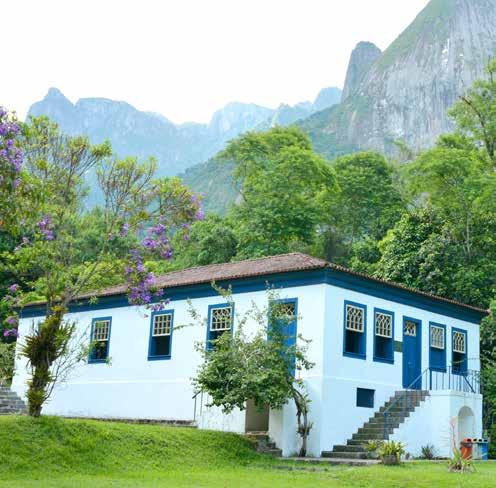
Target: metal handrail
433 379
194 397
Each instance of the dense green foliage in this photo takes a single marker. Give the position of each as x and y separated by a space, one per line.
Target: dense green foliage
53 452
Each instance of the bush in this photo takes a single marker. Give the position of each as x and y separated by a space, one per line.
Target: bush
7 356
458 464
390 452
428 452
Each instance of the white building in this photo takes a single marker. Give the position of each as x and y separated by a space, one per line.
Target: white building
370 340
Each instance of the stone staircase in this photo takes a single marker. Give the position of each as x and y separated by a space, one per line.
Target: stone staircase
10 402
263 443
399 407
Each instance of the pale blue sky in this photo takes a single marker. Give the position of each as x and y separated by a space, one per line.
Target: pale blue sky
187 58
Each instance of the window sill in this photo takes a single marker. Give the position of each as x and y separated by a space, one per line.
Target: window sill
158 358
354 355
438 369
384 360
97 361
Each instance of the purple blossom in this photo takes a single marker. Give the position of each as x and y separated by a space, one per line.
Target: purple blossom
124 230
12 320
45 227
11 333
200 214
13 288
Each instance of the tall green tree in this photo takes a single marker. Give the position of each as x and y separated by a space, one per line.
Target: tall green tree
48 188
282 183
365 206
475 112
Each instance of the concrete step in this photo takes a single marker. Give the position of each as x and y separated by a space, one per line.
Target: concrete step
368 437
346 448
344 455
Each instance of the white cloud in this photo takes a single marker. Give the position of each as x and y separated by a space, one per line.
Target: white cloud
187 58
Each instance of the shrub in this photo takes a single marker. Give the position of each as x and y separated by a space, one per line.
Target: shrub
458 464
372 447
7 355
390 452
428 452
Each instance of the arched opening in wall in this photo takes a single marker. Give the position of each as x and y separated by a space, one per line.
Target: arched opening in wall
256 420
466 424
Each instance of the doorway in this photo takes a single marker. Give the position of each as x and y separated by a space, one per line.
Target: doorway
256 420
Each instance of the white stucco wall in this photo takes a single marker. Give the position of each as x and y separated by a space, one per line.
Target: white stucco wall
343 375
436 422
133 387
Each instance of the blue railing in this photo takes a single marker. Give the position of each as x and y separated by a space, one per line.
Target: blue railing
452 378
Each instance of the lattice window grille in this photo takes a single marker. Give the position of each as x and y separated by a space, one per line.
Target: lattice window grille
354 318
437 337
383 325
459 342
162 325
410 328
101 330
221 319
286 310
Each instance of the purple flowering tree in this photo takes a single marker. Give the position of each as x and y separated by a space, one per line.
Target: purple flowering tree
45 173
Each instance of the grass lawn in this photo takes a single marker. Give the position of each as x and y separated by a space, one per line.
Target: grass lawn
52 452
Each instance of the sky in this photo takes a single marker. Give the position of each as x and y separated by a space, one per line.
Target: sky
187 58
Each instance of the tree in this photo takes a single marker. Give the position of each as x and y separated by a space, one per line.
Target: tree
210 241
475 112
48 189
367 204
281 181
259 367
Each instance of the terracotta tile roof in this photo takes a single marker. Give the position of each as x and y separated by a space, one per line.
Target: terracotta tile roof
228 271
283 263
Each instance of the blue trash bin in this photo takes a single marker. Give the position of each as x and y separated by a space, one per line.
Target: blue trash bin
484 450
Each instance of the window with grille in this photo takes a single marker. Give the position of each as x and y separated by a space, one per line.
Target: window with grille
383 340
437 350
220 322
459 342
354 330
410 328
161 335
354 318
459 351
383 325
221 319
437 337
100 338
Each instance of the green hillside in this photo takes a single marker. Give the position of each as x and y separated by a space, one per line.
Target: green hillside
61 453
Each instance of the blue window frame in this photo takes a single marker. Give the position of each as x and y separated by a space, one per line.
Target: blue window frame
459 351
289 307
383 336
220 321
437 347
355 330
100 339
160 341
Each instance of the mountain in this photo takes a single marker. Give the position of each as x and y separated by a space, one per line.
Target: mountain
144 134
362 58
286 114
176 147
406 92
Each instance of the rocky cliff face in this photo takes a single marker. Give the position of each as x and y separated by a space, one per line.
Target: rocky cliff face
406 93
362 58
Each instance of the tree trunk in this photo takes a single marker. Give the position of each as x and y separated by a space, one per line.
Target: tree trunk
304 426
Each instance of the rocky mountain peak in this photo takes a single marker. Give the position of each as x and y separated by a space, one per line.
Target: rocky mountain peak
362 58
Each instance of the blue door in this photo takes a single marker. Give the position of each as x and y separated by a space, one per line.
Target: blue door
412 343
288 327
